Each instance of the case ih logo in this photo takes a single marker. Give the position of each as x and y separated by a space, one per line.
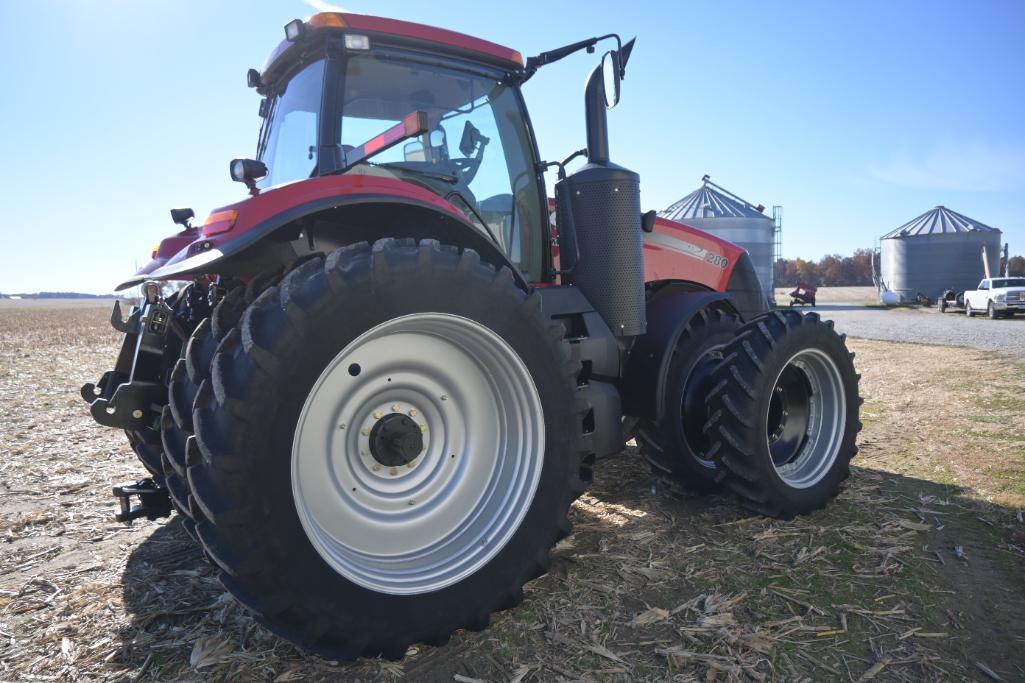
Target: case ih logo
692 250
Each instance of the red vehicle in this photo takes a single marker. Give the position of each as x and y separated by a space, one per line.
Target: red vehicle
803 294
389 373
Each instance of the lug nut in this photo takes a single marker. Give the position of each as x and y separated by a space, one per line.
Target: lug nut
364 452
341 426
377 468
136 413
411 464
395 408
378 414
393 471
412 413
423 428
365 431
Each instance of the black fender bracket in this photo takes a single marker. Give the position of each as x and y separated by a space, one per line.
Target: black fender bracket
593 345
129 396
648 364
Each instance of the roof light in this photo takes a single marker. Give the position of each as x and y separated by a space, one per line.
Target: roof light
356 42
294 30
327 20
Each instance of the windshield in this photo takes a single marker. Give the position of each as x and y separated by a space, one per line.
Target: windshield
477 153
288 143
1002 283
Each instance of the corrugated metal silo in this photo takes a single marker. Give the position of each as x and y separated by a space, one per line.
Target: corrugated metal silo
939 250
720 212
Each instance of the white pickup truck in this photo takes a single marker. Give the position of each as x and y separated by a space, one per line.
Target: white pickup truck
998 297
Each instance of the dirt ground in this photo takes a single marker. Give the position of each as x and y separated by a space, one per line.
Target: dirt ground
916 572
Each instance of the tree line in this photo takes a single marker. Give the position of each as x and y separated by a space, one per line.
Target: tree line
834 270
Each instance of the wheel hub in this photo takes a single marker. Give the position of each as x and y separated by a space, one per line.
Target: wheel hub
396 440
806 418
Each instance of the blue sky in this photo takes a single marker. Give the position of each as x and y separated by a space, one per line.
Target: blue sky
856 116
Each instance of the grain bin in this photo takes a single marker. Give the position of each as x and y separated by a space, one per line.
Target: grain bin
939 250
720 212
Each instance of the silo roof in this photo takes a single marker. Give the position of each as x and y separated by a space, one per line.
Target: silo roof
937 221
707 202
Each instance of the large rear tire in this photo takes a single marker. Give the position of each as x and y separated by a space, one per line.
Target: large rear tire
387 448
677 445
783 414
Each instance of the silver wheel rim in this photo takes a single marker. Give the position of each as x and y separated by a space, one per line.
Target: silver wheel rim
826 419
418 527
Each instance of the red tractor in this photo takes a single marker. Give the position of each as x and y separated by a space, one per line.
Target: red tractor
390 369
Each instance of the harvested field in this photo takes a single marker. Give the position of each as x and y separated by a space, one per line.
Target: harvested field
917 571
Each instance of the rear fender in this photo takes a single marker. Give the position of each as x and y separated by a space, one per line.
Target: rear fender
317 215
647 368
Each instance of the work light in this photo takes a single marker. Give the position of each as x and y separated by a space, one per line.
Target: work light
247 170
294 30
356 42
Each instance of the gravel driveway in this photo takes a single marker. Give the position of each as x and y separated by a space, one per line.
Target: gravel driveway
927 326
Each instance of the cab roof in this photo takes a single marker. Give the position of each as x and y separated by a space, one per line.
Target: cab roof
433 38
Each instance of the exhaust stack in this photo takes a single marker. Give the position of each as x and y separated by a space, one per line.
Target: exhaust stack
601 203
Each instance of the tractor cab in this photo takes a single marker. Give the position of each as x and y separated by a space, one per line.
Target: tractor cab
338 95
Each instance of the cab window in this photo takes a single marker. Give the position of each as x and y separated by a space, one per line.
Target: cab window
290 148
477 153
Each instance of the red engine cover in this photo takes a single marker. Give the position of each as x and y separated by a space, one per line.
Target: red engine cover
674 251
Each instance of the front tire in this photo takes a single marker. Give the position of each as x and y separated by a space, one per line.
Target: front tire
350 559
968 309
783 416
991 311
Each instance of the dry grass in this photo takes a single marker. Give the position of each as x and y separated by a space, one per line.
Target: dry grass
915 573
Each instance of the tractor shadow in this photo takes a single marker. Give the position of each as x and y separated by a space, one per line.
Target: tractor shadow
633 533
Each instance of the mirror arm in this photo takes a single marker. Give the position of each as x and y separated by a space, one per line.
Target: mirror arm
536 62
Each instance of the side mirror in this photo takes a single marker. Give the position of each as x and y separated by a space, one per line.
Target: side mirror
611 73
414 151
439 145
